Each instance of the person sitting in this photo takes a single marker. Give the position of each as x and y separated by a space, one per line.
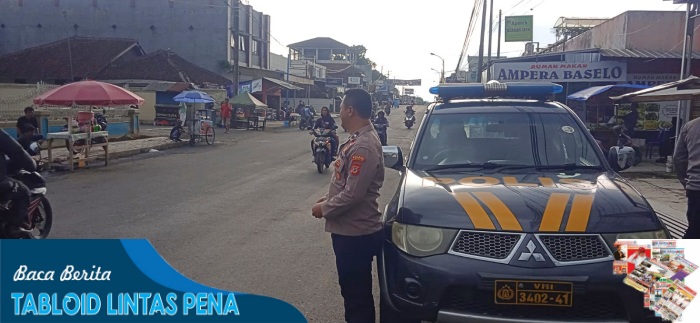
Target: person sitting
12 158
307 115
28 119
410 112
327 122
28 137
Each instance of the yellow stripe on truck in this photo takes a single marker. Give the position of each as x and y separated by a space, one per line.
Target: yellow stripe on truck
505 217
580 213
476 213
554 212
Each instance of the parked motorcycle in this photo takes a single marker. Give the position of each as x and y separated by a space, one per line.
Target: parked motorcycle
381 131
623 155
39 214
410 119
321 146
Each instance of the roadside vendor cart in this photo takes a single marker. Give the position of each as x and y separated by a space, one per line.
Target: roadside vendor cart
200 123
76 98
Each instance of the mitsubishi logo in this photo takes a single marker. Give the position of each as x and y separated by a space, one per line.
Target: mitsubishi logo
525 256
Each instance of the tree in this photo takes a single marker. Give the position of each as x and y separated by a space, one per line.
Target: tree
361 50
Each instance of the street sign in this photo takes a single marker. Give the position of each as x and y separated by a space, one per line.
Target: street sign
518 28
407 91
406 82
353 80
334 82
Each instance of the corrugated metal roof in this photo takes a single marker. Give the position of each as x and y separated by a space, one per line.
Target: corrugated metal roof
642 53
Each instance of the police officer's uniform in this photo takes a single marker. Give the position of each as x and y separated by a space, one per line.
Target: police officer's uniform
352 217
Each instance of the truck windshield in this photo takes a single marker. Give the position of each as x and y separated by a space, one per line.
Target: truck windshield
524 139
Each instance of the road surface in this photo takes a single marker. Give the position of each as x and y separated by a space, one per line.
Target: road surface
235 215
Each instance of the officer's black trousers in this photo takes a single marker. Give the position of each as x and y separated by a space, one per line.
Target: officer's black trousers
353 259
693 215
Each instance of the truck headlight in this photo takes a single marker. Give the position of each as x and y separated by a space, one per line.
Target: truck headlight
421 241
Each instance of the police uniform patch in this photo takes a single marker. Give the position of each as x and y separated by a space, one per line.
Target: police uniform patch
356 164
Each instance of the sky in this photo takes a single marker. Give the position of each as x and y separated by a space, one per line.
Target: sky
400 35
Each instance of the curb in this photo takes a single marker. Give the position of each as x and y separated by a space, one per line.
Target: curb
133 152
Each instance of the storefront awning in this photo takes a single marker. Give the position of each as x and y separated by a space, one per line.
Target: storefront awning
586 94
282 84
673 91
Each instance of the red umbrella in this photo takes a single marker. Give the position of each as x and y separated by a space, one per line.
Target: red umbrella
88 93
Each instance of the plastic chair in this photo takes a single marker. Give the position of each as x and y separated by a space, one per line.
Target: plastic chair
650 144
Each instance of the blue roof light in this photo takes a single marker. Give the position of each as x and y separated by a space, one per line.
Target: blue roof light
496 89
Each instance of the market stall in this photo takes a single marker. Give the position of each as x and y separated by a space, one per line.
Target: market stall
249 112
77 98
594 106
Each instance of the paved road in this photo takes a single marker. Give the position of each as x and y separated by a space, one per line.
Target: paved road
236 215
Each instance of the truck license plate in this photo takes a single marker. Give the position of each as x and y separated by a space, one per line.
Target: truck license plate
542 293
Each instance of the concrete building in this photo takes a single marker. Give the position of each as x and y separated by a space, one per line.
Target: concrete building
201 31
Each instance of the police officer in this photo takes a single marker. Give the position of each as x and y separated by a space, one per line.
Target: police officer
351 209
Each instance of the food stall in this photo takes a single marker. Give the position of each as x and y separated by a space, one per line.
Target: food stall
249 111
594 106
77 98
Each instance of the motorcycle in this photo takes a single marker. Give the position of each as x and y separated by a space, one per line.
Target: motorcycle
321 146
623 155
39 215
381 131
306 123
410 119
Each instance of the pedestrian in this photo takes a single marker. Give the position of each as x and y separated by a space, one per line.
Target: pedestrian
630 120
687 163
351 209
226 114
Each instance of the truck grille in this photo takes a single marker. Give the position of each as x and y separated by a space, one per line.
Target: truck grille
575 247
483 244
592 307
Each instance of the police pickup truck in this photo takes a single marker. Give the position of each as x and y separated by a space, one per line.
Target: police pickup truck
507 211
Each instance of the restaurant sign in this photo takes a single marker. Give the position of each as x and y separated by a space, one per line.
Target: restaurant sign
652 79
605 71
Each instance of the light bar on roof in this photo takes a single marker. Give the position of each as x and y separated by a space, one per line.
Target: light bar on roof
496 89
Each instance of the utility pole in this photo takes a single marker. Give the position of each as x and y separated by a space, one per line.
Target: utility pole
498 46
488 61
481 44
685 61
237 42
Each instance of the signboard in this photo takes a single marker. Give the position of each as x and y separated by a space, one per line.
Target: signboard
353 80
462 76
606 71
250 86
407 91
407 82
652 115
651 79
518 28
334 82
380 82
383 88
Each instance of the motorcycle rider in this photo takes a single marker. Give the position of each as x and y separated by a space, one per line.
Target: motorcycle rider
381 120
327 122
409 109
307 115
13 156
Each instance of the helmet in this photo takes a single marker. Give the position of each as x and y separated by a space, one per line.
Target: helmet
380 113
